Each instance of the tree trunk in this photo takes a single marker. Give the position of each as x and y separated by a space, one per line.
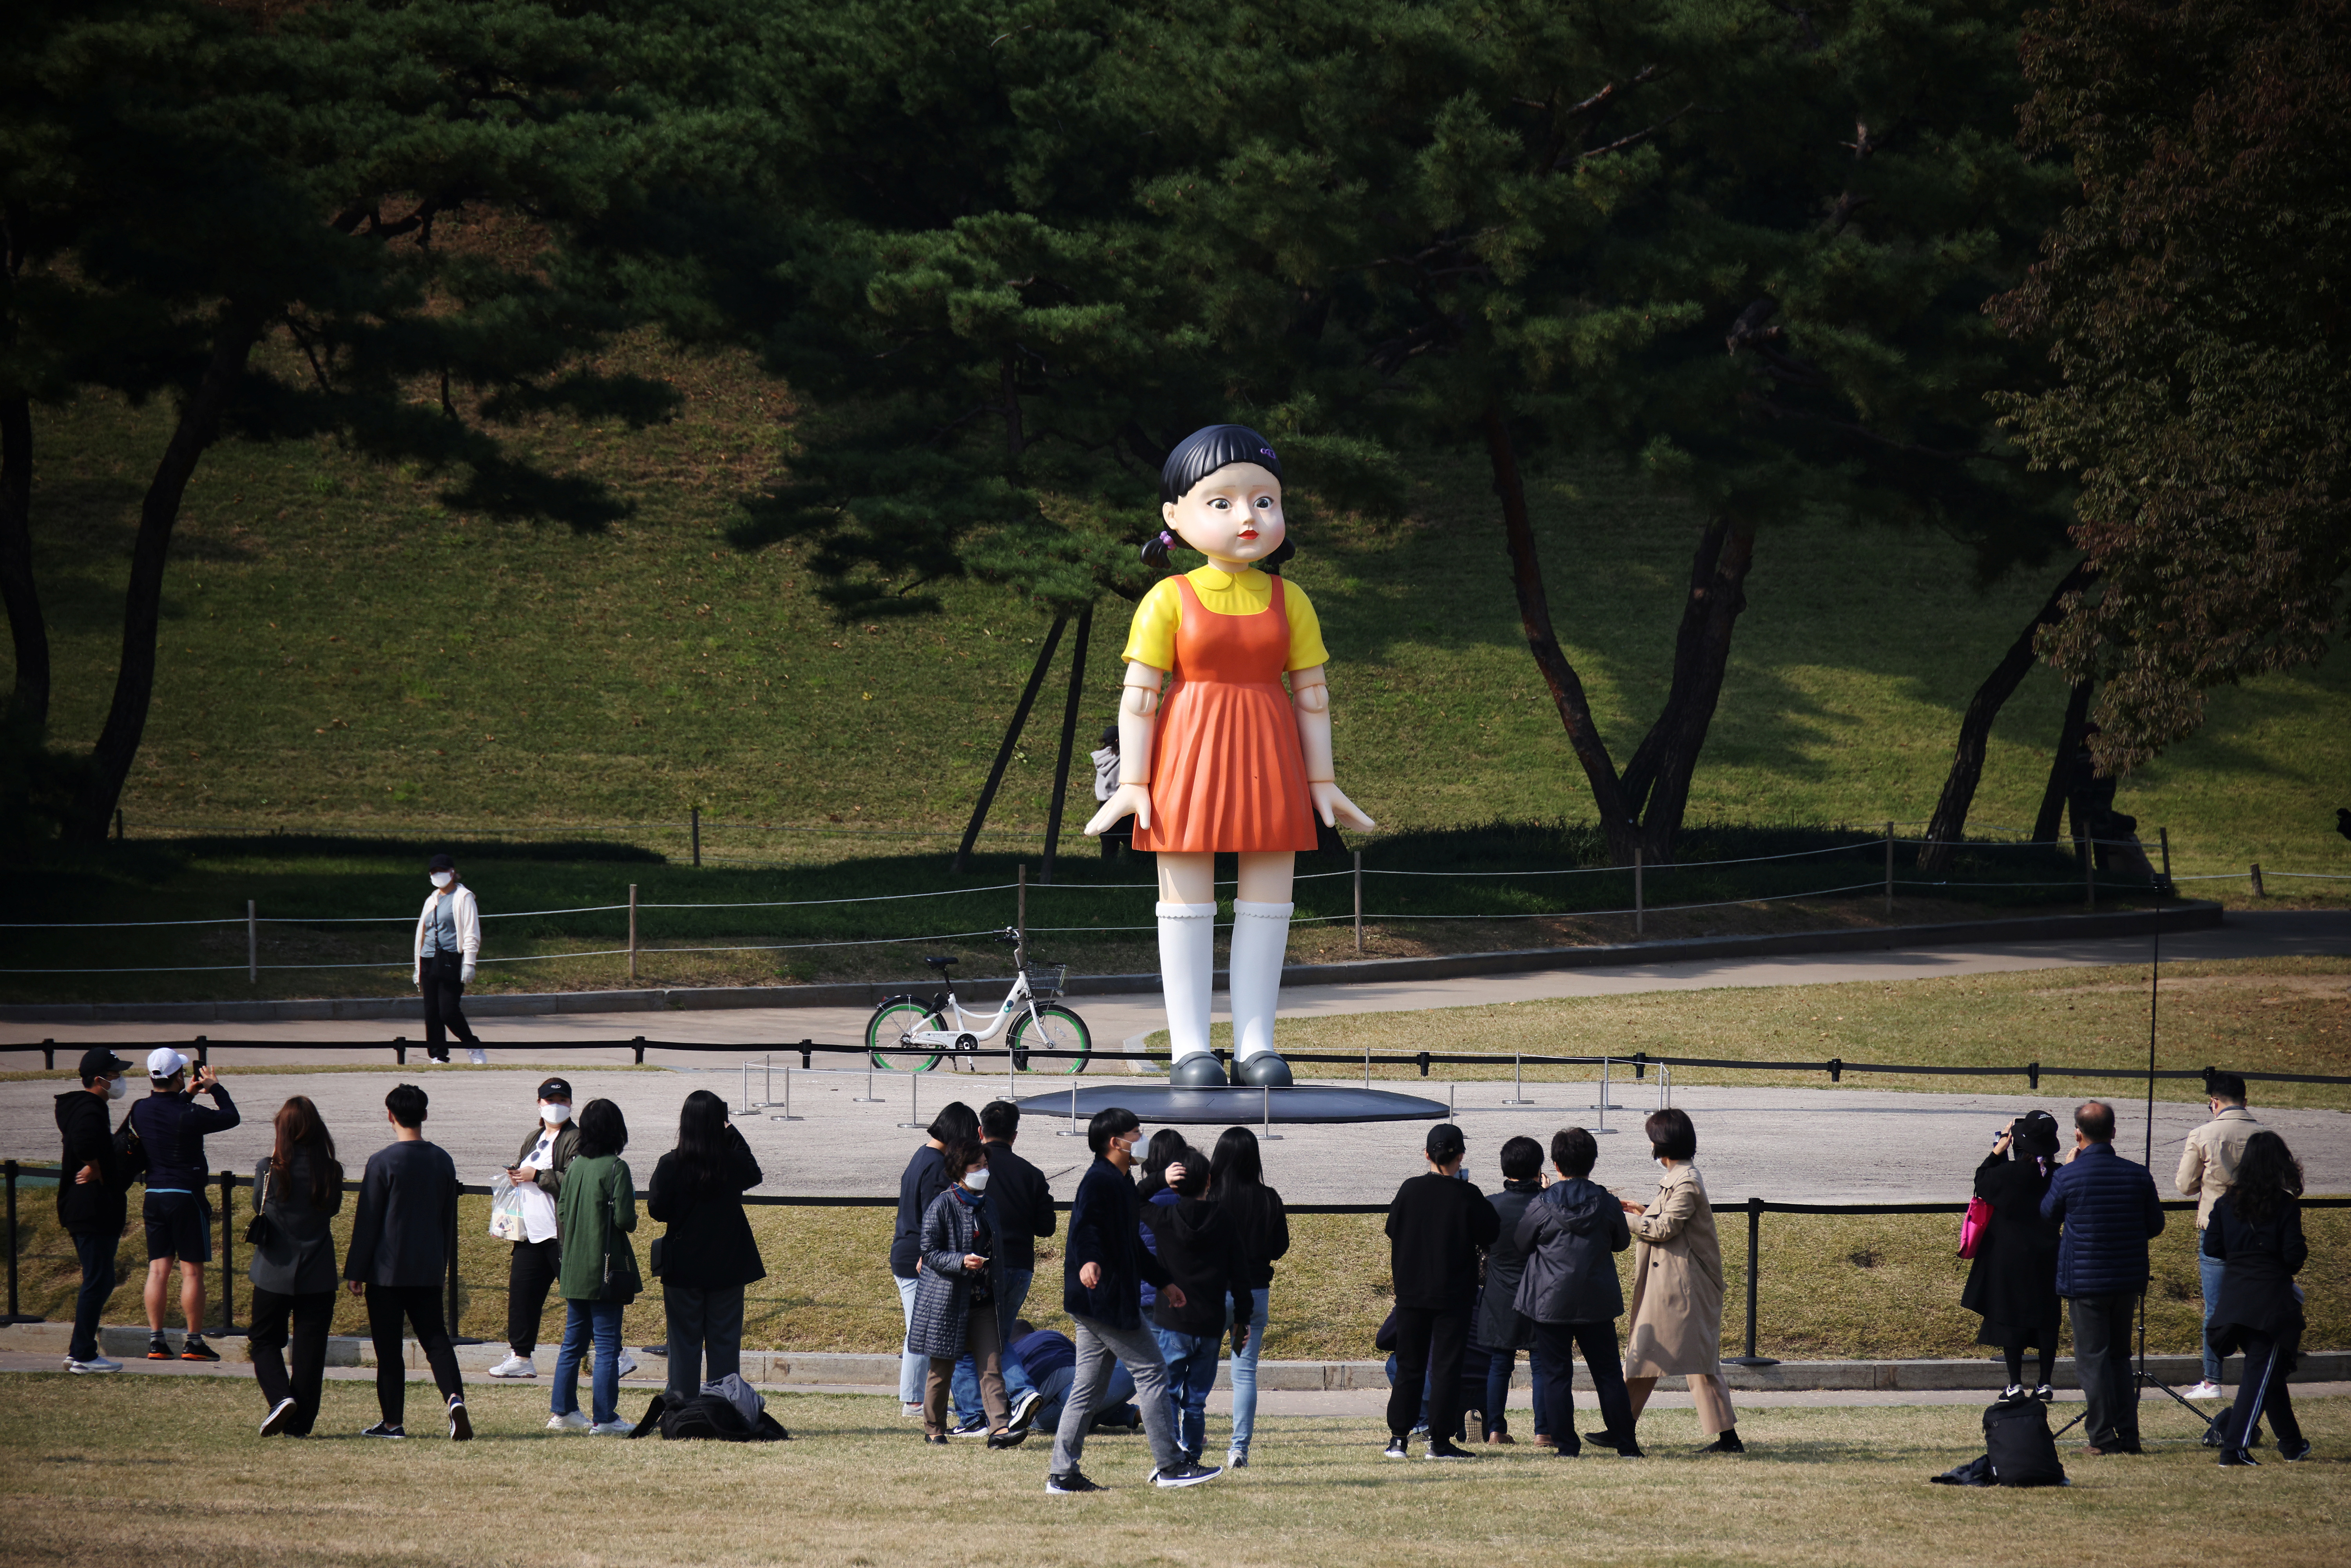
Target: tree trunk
1657 783
159 512
1069 741
29 704
1534 616
1950 820
2060 767
1012 742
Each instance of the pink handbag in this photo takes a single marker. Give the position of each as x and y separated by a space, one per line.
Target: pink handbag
1972 1228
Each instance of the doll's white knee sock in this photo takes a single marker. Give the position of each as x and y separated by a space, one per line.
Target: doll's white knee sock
1260 936
1188 973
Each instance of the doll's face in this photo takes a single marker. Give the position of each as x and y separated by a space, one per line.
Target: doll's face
1233 516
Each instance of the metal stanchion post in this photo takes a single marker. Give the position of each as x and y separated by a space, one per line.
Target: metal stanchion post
913 1100
1754 1256
1517 1082
1265 1114
1603 1106
869 1097
1367 1067
788 1115
768 1090
1071 1130
1359 901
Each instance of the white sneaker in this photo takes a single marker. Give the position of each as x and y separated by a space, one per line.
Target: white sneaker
628 1364
516 1365
612 1428
570 1421
912 1412
2208 1389
478 1056
95 1364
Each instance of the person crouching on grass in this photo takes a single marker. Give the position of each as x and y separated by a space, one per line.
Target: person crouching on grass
956 1296
1102 1275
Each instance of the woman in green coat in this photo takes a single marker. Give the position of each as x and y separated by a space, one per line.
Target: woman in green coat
596 1211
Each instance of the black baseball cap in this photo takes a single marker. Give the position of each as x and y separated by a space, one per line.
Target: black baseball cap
441 863
555 1089
99 1062
1445 1142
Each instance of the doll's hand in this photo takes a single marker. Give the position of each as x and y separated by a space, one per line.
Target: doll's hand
1127 798
1336 810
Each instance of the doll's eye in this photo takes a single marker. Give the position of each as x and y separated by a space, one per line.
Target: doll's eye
1265 500
1221 505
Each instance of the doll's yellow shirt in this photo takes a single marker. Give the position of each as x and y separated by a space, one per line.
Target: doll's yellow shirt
1151 640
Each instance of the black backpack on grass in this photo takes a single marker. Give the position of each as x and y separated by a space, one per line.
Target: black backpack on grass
2017 1444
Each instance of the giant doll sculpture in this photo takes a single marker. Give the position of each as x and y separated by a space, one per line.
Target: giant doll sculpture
1227 761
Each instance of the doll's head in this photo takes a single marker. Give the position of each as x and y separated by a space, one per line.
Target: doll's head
1221 493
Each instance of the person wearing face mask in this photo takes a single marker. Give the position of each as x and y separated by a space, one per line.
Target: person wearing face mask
1676 1321
956 1296
537 1175
90 1207
448 945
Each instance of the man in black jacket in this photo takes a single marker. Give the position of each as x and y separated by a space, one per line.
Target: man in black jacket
90 1183
402 1231
1436 1228
1102 1290
171 1128
1022 1206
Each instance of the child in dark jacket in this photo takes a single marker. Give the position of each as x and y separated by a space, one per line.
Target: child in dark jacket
1196 1241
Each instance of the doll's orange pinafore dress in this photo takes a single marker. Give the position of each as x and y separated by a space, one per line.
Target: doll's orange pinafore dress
1227 771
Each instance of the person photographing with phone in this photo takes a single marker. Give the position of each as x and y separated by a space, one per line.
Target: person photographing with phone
2012 1283
957 1296
171 1128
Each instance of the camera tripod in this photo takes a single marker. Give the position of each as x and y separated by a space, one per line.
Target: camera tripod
2141 1378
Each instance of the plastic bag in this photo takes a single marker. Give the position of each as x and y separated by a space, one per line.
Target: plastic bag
507 1223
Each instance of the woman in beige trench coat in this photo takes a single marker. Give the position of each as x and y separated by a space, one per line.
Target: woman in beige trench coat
1676 1314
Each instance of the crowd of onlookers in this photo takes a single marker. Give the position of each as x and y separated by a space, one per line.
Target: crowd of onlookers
1167 1263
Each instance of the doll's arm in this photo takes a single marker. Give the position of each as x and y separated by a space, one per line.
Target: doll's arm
1138 709
1310 699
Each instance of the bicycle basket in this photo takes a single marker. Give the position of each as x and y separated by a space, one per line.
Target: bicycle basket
1045 980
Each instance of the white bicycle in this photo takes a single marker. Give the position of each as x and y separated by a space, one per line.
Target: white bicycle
911 1035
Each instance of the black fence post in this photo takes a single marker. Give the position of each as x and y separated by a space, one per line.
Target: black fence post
1754 1262
399 1048
1837 1069
2032 1074
1640 1065
806 1054
227 1258
15 1316
638 1045
204 1052
1423 1064
49 1053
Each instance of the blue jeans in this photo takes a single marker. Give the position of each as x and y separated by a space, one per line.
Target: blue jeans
912 1369
584 1320
1498 1367
1245 1374
2211 1268
966 1384
1191 1373
1117 1394
95 1250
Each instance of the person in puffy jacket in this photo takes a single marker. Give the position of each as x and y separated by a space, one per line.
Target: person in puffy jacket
957 1294
708 1254
1501 1330
2110 1211
1568 1291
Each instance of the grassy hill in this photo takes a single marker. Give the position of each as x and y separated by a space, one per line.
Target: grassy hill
340 649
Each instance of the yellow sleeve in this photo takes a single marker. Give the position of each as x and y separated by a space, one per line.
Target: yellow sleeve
1306 649
1151 638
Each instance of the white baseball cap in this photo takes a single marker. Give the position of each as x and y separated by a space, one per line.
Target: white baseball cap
163 1061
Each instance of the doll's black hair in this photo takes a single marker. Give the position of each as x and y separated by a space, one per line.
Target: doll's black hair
1196 457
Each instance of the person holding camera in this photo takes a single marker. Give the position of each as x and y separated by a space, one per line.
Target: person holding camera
708 1254
171 1127
2012 1283
91 1206
2109 1211
957 1296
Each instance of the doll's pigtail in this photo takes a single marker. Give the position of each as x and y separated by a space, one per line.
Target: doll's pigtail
1281 552
1156 549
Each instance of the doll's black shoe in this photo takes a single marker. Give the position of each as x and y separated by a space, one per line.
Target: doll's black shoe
1200 1070
1263 1070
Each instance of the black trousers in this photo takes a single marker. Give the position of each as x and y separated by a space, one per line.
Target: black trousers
1429 1342
95 1250
310 1315
420 1305
529 1279
1597 1343
2261 1391
2102 1351
705 1336
442 990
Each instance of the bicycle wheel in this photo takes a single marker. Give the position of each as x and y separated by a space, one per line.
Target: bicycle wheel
1055 1028
886 1037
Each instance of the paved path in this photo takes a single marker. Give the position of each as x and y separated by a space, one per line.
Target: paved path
1813 1146
1116 1019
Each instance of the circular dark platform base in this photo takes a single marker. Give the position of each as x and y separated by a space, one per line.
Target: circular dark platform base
1157 1104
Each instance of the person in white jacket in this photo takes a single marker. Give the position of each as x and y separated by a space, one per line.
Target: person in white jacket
448 945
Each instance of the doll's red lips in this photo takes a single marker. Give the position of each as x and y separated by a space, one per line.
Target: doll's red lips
1248 533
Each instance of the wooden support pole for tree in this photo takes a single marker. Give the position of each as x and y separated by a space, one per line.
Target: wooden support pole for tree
1069 741
1011 739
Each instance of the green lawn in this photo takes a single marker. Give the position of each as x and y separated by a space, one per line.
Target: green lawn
342 650
107 1470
